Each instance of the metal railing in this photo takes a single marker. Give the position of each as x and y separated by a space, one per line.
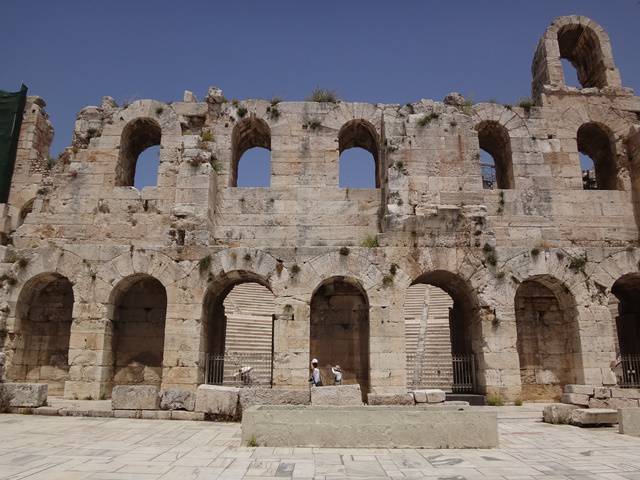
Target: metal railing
239 369
464 374
629 371
456 376
488 172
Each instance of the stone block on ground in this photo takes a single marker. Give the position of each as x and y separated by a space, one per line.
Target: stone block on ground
135 397
24 394
575 399
579 389
273 396
429 395
558 413
369 427
218 400
392 399
173 399
183 415
629 421
336 395
592 417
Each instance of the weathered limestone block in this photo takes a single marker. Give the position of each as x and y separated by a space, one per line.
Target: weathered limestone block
625 393
575 399
135 397
336 395
558 413
614 403
602 393
430 395
273 396
367 426
579 389
25 394
173 399
629 421
397 399
588 417
217 400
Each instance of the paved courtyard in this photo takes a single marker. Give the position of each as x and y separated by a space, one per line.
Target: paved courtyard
71 448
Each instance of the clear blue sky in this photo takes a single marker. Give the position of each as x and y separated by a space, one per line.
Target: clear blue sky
74 52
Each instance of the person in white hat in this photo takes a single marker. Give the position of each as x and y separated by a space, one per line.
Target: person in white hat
316 378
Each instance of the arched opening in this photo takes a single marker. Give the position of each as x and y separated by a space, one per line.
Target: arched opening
238 331
626 312
599 170
548 339
137 136
139 312
147 168
495 155
340 331
358 145
443 338
581 47
44 315
251 146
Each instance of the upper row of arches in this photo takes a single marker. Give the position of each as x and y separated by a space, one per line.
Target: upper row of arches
359 155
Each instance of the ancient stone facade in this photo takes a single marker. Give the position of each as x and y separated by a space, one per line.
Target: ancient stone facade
105 285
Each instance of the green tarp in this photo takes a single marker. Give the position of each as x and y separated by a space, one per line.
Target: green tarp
11 111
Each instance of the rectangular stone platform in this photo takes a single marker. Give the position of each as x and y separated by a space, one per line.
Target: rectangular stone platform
629 421
369 426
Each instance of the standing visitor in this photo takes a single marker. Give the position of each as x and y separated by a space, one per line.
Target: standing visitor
316 378
337 375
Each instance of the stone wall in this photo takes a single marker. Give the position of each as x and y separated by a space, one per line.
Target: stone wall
429 220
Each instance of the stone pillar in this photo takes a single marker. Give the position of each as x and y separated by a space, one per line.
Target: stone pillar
496 355
291 332
597 345
182 367
90 352
387 355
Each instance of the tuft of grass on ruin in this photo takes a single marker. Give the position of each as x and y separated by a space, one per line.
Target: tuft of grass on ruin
370 242
495 400
204 264
526 103
427 118
322 95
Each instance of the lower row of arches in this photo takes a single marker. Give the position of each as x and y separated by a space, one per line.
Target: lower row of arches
442 321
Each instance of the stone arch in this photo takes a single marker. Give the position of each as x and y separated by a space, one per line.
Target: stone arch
597 141
138 309
43 318
249 133
221 363
339 330
494 139
625 309
361 133
465 327
137 135
548 337
585 44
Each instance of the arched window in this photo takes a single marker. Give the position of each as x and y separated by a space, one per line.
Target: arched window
251 147
598 157
581 47
137 137
495 155
359 155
